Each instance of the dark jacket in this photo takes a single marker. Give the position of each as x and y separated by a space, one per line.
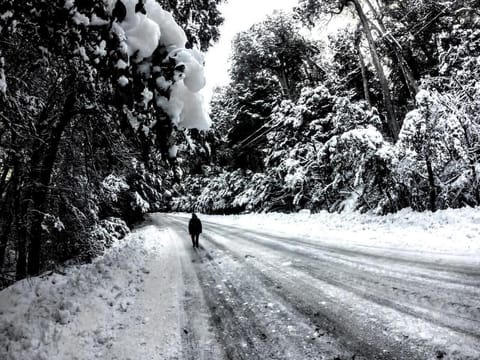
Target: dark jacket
195 225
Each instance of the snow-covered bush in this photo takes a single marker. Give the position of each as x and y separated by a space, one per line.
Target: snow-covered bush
436 159
186 193
232 192
347 115
103 235
219 194
353 160
327 143
113 186
254 195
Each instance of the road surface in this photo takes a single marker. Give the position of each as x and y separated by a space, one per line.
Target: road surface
249 294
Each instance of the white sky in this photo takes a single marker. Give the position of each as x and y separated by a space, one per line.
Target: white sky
239 15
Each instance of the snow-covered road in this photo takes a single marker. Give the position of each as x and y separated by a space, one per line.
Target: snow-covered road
274 296
252 292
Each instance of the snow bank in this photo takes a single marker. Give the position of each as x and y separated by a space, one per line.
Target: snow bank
38 314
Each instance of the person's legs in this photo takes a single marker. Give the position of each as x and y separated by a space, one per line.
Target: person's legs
193 239
197 236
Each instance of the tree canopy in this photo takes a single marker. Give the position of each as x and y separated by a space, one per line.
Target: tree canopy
92 94
385 115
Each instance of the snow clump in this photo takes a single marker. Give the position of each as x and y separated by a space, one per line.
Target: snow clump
140 33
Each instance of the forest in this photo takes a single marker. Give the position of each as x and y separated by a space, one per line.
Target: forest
101 121
379 116
91 95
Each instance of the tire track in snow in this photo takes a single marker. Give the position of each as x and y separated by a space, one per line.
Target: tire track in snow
327 318
275 247
198 339
254 322
363 272
465 273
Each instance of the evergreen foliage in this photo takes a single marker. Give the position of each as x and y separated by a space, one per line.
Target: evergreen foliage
100 123
87 120
331 146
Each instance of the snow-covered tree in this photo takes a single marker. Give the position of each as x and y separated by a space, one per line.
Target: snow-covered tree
88 88
436 154
272 48
311 10
327 147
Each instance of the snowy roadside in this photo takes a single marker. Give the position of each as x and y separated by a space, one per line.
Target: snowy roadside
99 310
143 300
452 232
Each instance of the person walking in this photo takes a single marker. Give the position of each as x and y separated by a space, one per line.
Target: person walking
195 229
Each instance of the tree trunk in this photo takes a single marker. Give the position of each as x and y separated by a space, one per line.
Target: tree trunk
398 51
40 195
473 163
6 226
283 79
3 179
363 69
5 231
431 184
21 268
9 204
387 98
21 209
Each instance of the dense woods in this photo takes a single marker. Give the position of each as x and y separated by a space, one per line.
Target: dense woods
101 121
378 116
87 124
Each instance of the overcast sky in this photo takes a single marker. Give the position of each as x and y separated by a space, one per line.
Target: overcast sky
239 15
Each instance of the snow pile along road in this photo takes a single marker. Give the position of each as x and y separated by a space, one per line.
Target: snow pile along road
122 306
38 314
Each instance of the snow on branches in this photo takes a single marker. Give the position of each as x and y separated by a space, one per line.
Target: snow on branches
148 40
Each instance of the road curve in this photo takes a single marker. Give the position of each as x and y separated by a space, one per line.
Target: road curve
277 297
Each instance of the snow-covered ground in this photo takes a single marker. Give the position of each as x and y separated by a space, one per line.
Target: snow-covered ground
451 232
298 286
127 304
